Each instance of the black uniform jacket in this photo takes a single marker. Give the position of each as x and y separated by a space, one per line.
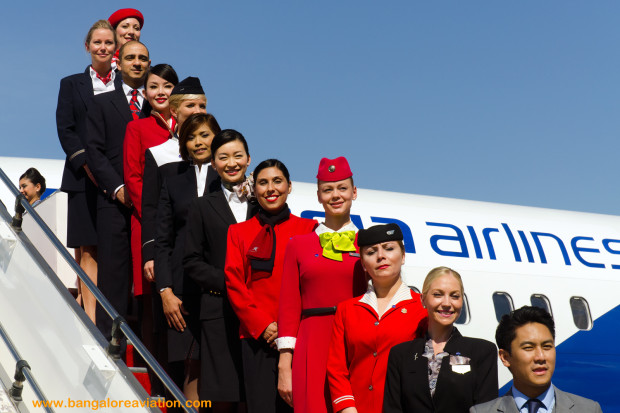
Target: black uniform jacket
108 116
177 194
205 250
406 383
75 94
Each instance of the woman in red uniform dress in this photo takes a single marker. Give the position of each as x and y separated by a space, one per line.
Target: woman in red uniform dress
254 258
321 269
142 134
367 327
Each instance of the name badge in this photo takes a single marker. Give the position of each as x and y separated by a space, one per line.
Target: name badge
461 368
354 254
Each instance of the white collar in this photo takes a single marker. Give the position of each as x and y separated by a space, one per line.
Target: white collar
127 89
231 196
370 297
322 229
93 74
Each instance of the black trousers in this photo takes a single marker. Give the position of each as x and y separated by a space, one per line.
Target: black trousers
260 369
113 260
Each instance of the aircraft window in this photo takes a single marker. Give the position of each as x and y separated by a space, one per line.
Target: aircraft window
502 303
464 317
581 313
539 300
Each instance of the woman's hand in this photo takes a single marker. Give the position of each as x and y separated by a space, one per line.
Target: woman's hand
285 376
270 334
149 270
348 410
173 309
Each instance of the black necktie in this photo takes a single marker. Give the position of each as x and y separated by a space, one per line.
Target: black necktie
533 405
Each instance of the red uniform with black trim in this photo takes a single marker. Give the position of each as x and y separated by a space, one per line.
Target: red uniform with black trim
255 301
140 135
359 349
313 281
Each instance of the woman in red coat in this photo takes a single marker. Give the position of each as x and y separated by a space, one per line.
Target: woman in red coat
140 135
321 269
254 259
367 327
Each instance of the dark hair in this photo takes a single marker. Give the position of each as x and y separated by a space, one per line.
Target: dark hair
120 52
272 163
226 136
193 122
506 330
34 176
165 71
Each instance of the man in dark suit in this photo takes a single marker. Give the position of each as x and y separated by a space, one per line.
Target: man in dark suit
107 120
526 341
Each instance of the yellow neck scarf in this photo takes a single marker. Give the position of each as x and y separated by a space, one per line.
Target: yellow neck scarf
334 243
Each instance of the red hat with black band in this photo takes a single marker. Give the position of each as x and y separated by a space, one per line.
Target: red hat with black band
122 14
332 170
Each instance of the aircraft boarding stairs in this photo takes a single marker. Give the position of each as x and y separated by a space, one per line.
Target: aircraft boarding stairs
50 351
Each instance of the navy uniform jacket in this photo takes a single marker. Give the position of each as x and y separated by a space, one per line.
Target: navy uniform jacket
75 94
406 385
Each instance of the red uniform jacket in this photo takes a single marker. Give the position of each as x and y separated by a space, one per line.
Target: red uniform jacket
310 281
256 301
140 135
359 349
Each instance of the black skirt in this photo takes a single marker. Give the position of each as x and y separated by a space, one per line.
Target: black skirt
186 344
221 371
82 217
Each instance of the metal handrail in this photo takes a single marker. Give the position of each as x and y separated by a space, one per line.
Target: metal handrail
119 321
22 369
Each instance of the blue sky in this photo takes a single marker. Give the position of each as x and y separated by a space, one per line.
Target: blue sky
513 102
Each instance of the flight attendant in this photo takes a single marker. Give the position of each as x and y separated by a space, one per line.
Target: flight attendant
32 186
164 160
180 296
321 269
76 91
367 327
140 135
221 379
442 372
127 24
254 258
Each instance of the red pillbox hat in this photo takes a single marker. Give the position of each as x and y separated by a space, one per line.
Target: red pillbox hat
122 14
332 170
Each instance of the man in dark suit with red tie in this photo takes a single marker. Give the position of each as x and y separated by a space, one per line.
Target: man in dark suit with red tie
108 116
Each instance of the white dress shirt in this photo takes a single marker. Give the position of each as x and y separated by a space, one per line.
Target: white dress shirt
127 89
201 177
98 85
238 206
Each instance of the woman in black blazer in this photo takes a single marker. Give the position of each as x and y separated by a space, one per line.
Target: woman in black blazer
180 296
221 379
74 96
443 372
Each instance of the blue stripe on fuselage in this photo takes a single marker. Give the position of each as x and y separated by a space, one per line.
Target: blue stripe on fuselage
588 363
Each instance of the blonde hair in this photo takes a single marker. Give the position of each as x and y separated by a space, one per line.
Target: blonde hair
100 24
438 272
176 100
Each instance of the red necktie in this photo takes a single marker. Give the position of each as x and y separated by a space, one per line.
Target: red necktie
134 106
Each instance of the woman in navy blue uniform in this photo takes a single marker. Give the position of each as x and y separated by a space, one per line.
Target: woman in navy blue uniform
180 296
442 372
75 93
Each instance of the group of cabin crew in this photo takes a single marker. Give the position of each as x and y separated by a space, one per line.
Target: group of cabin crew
260 309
